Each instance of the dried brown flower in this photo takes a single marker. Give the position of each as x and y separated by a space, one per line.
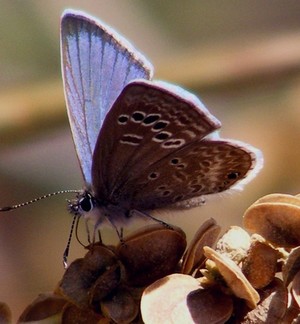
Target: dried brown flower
151 277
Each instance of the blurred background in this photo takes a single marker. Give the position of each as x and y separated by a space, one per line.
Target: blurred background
241 58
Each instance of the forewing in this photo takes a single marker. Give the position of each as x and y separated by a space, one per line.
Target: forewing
96 64
148 122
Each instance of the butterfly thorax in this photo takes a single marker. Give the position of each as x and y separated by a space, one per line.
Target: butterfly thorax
99 211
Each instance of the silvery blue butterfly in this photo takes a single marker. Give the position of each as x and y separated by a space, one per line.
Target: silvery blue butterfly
141 144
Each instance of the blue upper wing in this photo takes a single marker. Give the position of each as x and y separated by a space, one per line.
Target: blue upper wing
96 65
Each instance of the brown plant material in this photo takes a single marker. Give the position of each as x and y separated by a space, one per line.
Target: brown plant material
151 253
292 314
234 243
277 221
148 277
202 306
173 291
103 284
272 306
206 235
295 289
291 266
260 264
185 301
279 198
88 280
120 307
5 314
233 277
45 306
74 314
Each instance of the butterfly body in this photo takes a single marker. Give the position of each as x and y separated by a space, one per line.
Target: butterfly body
141 144
98 211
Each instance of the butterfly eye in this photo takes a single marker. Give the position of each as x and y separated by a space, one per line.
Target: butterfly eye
86 203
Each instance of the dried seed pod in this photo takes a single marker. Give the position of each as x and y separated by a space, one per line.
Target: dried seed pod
165 299
295 289
5 314
279 198
209 306
234 243
99 268
151 253
260 265
179 298
73 314
206 235
105 284
233 277
120 307
46 306
291 266
279 223
272 306
292 314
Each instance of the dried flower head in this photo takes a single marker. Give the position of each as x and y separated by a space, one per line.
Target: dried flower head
151 277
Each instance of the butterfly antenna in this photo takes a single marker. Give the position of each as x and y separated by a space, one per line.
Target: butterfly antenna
67 249
8 208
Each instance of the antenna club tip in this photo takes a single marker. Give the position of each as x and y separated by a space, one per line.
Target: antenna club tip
4 209
65 263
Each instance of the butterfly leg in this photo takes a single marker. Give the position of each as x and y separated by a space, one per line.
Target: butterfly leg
88 232
151 217
100 237
118 231
95 231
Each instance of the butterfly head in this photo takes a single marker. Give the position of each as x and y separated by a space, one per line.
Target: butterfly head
82 204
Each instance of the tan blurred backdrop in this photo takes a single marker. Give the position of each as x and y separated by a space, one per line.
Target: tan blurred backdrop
241 58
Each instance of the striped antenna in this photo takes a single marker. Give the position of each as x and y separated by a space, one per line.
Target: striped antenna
67 249
8 208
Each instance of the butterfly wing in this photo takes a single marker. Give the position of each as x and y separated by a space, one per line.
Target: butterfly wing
146 123
155 148
200 168
96 64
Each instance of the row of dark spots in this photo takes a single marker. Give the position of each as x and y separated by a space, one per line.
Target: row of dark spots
178 198
158 126
194 187
162 136
151 119
153 175
139 117
177 163
232 177
164 191
123 119
131 139
167 193
173 143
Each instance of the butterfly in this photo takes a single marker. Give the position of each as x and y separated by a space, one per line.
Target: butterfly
141 144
